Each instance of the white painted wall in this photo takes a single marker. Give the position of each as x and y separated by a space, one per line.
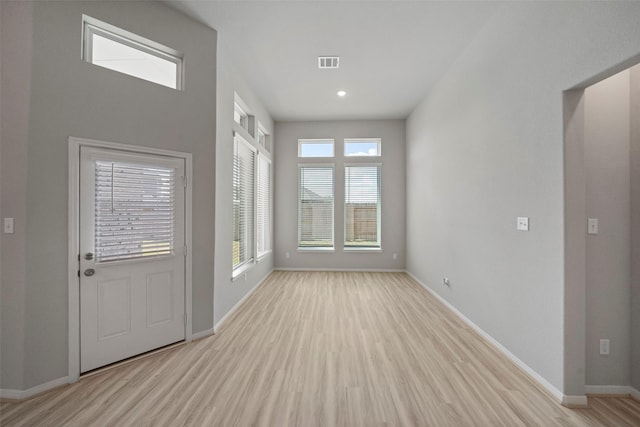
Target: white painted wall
635 227
71 98
227 292
392 133
608 264
486 146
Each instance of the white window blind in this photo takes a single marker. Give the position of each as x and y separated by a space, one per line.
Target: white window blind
362 206
263 239
134 211
243 202
315 206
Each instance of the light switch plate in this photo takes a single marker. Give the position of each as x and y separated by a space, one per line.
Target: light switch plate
523 223
592 226
8 225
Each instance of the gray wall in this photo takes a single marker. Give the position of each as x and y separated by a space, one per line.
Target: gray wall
635 227
227 292
392 133
71 98
486 146
15 75
608 267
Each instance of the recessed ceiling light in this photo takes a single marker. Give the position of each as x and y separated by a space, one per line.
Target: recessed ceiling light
341 93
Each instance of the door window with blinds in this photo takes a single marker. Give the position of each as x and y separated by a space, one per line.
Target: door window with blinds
362 206
243 202
135 210
315 206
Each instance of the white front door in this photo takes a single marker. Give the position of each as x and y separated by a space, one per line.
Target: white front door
132 254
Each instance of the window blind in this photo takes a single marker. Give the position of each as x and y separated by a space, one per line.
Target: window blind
315 206
243 203
134 211
362 206
264 206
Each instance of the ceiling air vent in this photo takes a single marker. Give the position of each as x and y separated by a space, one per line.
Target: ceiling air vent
328 62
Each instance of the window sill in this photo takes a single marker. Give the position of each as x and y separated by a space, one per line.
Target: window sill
240 271
317 250
263 256
362 250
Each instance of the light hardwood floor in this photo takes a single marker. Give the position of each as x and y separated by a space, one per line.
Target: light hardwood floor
322 349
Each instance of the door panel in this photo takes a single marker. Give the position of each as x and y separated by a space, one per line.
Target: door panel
159 298
114 307
132 258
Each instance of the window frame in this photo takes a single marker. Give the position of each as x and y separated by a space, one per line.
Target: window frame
354 248
91 26
304 141
322 249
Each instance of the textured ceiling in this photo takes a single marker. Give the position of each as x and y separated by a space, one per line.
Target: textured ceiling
391 52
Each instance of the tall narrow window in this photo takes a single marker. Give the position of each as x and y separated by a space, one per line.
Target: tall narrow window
243 202
362 206
119 50
263 239
315 206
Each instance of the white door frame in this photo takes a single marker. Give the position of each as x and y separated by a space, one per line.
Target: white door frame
74 244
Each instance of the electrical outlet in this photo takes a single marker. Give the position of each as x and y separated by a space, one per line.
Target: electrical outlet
445 281
604 347
395 256
286 255
522 223
592 226
8 225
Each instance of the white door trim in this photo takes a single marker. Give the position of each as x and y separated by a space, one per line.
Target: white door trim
74 244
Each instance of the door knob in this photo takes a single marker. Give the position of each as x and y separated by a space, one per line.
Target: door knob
89 272
88 256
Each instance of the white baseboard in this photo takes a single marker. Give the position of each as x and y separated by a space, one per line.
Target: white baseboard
357 270
13 394
202 334
608 389
533 374
635 394
574 401
217 326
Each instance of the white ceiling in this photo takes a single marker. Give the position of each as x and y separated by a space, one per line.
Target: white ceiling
391 52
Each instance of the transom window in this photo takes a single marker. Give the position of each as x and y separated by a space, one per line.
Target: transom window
240 116
362 147
116 49
315 148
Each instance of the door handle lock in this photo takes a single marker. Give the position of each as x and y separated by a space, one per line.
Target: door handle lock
89 272
88 256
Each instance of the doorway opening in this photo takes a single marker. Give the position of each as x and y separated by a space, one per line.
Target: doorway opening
602 235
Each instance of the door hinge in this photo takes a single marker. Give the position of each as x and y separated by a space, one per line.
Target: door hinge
185 181
186 250
78 273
